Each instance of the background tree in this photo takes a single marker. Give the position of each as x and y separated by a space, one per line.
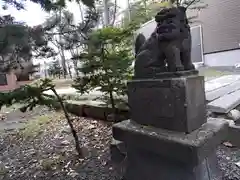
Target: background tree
55 69
191 5
58 24
142 11
69 66
112 10
16 39
31 95
76 36
17 45
47 5
106 63
66 36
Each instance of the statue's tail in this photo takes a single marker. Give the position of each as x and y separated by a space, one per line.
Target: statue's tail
140 40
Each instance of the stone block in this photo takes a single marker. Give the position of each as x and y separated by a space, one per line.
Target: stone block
217 93
145 166
221 82
76 109
190 148
176 104
117 150
233 135
225 103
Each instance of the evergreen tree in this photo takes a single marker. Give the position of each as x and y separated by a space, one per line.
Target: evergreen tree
55 69
142 11
106 63
47 5
17 43
32 95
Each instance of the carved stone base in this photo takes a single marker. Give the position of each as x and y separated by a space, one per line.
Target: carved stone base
158 154
143 165
176 104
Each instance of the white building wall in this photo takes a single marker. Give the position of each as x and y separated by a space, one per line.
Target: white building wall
226 58
147 28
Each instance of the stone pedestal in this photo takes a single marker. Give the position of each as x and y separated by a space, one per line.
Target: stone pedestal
159 154
176 104
169 137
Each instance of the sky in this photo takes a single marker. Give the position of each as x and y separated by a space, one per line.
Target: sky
34 15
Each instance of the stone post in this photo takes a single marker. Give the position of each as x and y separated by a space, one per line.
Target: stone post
168 136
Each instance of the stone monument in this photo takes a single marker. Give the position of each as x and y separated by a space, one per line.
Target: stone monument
168 136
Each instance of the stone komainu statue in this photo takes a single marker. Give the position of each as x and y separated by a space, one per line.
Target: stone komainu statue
169 47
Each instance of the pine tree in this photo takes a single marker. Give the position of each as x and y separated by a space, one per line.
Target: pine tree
34 94
106 63
190 5
17 44
47 5
142 11
55 69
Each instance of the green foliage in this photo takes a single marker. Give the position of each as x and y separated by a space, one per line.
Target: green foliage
30 95
191 4
55 69
14 41
18 44
106 62
47 5
33 95
142 11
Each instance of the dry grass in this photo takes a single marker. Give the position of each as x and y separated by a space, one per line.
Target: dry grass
37 125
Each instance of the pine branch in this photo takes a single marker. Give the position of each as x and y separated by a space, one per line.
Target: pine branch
33 95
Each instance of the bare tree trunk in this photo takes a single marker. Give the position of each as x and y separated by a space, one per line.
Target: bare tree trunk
115 13
145 6
74 133
45 69
69 71
106 12
64 64
80 9
129 11
112 102
62 50
75 63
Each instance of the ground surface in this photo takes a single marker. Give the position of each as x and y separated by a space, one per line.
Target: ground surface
44 150
228 159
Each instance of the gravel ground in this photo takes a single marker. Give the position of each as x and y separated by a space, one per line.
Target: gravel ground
228 157
50 153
